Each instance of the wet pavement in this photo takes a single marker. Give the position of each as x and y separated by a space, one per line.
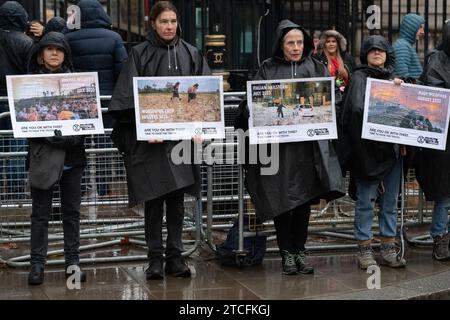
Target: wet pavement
336 276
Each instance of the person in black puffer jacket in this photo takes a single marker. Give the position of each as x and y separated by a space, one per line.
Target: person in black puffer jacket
15 50
95 47
55 160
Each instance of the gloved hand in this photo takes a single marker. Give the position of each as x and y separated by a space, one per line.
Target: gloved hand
57 139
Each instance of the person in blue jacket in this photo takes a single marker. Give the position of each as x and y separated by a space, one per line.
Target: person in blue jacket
407 63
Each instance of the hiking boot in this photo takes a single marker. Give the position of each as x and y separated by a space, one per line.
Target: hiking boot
288 263
365 256
155 269
36 275
440 248
302 264
75 268
390 257
177 267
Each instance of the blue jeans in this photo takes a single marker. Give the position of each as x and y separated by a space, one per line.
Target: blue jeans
440 222
366 194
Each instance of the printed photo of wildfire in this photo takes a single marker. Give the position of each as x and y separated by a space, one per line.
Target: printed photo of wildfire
410 107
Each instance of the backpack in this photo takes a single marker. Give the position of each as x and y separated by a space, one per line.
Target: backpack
254 245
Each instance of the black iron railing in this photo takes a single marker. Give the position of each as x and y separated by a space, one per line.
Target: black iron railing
239 21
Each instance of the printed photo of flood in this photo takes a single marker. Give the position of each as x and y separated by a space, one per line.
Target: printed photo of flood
56 97
292 103
182 100
408 107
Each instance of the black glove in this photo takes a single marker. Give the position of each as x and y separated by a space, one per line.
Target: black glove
57 140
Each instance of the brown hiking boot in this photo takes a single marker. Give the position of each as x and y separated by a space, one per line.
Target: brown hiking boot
390 256
365 256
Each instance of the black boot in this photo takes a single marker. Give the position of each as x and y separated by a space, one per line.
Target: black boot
288 263
177 267
155 269
75 268
36 275
441 248
302 263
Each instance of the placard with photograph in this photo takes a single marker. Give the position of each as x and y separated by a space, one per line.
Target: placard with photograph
406 114
179 108
291 110
42 103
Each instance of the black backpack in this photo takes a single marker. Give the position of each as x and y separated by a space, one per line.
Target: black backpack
255 246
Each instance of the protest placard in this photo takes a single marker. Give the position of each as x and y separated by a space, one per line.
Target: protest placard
291 110
406 114
179 108
41 104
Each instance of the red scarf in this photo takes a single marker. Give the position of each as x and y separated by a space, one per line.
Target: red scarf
334 69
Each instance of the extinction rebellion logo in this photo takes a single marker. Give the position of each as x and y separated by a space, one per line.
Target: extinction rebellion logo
83 127
427 140
318 132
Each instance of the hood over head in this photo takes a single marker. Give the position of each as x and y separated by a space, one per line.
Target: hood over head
13 16
56 24
409 27
379 42
342 42
445 44
93 15
284 27
55 39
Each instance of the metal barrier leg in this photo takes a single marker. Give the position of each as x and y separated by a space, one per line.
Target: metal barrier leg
209 207
241 250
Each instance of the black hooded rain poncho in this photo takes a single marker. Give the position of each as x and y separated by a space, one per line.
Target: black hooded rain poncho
433 166
150 171
308 171
366 159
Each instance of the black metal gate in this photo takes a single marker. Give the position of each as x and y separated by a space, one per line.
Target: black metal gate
241 20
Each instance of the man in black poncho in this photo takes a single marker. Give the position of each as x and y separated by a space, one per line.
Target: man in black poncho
308 171
152 177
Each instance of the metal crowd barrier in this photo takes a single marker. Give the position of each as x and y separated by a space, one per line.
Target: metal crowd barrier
105 213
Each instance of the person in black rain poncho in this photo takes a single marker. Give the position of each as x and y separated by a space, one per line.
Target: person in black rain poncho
375 167
152 177
433 166
308 171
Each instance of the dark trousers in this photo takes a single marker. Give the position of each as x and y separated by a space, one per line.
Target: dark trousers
292 229
154 211
70 206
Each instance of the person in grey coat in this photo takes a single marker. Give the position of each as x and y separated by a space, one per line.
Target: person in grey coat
308 171
152 177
